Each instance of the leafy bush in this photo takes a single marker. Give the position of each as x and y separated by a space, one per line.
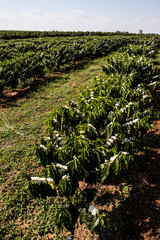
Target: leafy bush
98 135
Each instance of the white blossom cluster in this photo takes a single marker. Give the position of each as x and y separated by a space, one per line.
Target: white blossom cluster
122 110
91 126
38 180
117 104
65 177
145 96
110 123
111 140
127 140
152 84
91 95
93 210
139 88
77 110
66 107
47 138
63 167
43 147
130 123
113 158
144 112
143 93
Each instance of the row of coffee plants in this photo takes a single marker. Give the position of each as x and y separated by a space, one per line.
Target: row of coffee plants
97 136
12 50
10 35
32 60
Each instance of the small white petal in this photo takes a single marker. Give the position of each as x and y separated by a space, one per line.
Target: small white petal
93 210
125 153
39 180
65 176
64 167
43 147
113 158
110 140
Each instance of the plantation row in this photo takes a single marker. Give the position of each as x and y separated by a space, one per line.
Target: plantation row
23 61
13 49
99 135
10 35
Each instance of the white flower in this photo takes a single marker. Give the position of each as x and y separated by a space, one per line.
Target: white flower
126 140
113 158
101 166
146 111
135 120
65 176
59 139
131 122
93 210
43 147
114 138
108 143
125 153
109 124
117 104
47 138
39 180
81 132
66 107
77 110
145 96
153 83
54 120
122 110
64 167
110 140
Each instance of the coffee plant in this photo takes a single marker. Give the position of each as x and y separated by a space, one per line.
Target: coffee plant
98 135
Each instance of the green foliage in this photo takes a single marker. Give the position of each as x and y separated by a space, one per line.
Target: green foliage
99 134
22 61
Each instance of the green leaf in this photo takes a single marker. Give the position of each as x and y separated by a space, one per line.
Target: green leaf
83 215
115 165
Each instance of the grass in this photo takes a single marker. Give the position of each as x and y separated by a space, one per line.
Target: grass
22 124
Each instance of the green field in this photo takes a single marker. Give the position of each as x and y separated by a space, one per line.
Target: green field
23 122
